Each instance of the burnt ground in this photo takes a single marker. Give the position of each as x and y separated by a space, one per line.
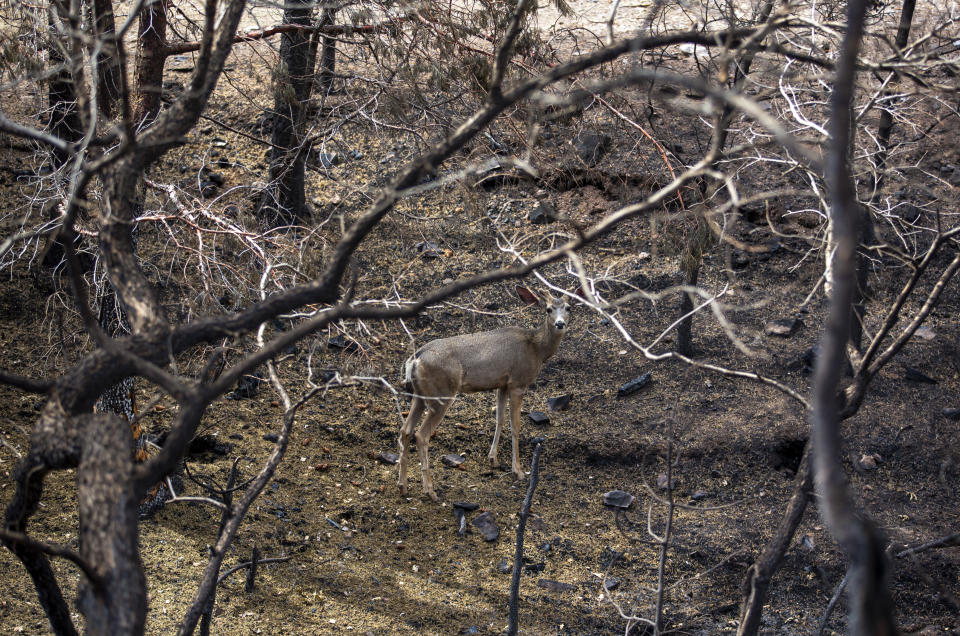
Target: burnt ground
363 559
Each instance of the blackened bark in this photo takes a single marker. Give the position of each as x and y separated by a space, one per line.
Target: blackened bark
692 257
65 120
283 202
151 55
328 55
756 584
29 480
108 60
885 127
871 608
109 529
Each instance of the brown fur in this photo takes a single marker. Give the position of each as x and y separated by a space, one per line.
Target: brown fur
506 360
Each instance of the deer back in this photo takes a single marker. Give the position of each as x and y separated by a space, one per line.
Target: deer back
507 357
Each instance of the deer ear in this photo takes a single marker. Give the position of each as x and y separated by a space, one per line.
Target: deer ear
527 296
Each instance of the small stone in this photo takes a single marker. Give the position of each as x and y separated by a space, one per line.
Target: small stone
699 495
539 418
591 146
952 414
784 328
466 505
925 332
806 542
453 460
618 498
555 586
869 462
428 250
542 214
271 437
916 375
559 403
340 342
388 458
208 189
504 566
634 385
461 518
487 526
611 583
664 484
329 159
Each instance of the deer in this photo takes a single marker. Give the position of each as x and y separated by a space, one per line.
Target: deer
505 360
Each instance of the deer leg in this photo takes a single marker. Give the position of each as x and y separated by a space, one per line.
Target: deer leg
516 397
435 411
501 414
406 430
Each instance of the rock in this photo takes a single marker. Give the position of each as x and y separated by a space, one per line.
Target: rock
487 526
537 523
453 460
611 583
469 506
699 496
428 250
806 542
925 332
247 386
663 484
634 385
208 444
535 568
329 159
542 214
504 566
470 630
559 403
591 146
952 414
388 458
208 189
461 518
340 342
271 437
555 586
355 154
869 462
784 328
916 375
618 499
538 418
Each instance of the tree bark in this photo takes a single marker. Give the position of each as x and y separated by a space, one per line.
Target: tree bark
283 202
871 609
108 60
65 121
151 56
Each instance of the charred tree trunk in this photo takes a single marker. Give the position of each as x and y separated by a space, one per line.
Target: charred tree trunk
871 608
108 59
151 56
283 202
65 121
885 127
328 54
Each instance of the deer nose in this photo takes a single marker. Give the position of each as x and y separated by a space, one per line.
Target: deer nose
560 324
